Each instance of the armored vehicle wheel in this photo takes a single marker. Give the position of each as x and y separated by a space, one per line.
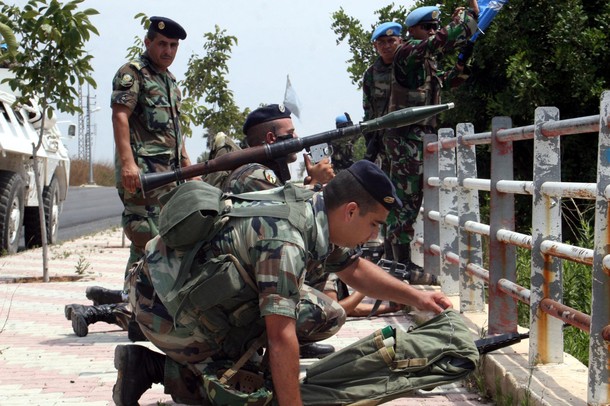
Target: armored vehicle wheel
50 199
11 211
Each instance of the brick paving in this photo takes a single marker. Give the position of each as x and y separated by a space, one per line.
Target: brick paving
42 362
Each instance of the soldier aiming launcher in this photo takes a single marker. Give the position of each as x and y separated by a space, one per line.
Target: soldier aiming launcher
279 151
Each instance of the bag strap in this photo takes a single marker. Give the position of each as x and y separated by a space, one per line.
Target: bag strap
258 343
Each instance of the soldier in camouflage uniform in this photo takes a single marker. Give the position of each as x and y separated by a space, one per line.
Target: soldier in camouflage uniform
416 82
343 149
145 105
274 253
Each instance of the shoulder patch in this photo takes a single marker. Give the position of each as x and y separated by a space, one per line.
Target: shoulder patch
126 80
270 176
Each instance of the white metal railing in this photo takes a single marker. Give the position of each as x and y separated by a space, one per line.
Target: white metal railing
452 233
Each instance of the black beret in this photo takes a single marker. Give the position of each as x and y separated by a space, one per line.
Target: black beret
167 27
374 181
268 113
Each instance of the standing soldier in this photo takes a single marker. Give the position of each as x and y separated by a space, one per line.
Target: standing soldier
376 96
145 117
417 82
343 149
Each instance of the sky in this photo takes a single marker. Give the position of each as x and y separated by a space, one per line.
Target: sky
275 39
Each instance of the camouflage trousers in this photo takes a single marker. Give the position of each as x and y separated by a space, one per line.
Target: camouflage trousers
404 165
140 224
188 348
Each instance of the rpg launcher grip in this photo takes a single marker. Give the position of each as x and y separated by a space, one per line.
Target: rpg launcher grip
271 152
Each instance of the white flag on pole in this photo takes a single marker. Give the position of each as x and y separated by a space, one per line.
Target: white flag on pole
291 100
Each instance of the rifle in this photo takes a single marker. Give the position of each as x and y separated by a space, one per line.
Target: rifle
278 151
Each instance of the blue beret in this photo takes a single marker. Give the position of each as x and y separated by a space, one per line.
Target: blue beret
343 120
374 181
263 114
166 27
422 14
388 29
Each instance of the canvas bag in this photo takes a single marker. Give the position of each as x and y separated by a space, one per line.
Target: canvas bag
439 351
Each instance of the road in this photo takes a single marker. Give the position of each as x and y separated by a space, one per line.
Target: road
88 210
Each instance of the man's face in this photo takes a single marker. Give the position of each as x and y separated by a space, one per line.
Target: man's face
424 30
358 228
386 47
161 50
284 129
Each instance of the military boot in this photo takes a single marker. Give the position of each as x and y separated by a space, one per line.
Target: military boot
81 318
417 276
101 296
71 308
316 350
137 369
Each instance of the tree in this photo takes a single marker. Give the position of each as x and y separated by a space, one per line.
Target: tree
51 65
206 79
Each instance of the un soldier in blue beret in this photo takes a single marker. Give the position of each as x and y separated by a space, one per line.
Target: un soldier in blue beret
275 252
416 81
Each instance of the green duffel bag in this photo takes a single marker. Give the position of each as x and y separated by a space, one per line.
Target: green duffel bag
372 371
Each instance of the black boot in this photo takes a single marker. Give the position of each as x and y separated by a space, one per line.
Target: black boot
71 308
101 296
81 318
134 332
316 350
137 369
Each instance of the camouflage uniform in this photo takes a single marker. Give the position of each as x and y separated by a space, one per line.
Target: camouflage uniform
275 255
154 99
343 154
376 85
416 82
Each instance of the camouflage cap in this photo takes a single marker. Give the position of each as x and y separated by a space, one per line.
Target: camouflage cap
376 182
166 27
267 113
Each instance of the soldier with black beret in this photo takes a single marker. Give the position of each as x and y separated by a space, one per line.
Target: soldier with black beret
145 105
275 252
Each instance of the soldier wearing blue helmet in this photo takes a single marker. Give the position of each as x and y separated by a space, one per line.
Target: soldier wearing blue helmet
416 81
343 149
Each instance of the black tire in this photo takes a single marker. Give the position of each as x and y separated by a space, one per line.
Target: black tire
11 211
50 199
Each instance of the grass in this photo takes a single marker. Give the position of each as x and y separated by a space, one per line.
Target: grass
103 173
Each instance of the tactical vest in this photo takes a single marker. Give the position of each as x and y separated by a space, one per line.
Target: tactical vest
380 88
220 289
428 93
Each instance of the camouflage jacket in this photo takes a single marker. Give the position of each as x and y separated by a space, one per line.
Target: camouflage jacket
376 89
154 99
272 251
416 80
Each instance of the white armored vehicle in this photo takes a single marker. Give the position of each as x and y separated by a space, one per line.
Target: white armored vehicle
19 129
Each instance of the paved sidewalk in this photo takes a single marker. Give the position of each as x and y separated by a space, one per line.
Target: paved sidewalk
42 362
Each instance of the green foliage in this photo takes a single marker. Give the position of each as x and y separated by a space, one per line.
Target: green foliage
134 51
206 80
52 61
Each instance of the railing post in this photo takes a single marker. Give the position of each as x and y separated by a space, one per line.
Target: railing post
502 307
546 334
472 294
449 275
431 197
599 354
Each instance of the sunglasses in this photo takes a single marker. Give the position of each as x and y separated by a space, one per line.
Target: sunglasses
429 26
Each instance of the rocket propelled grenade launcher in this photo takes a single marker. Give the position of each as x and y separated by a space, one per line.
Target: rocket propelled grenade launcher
270 152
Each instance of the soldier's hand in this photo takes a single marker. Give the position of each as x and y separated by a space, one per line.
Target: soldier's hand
433 301
130 177
322 172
